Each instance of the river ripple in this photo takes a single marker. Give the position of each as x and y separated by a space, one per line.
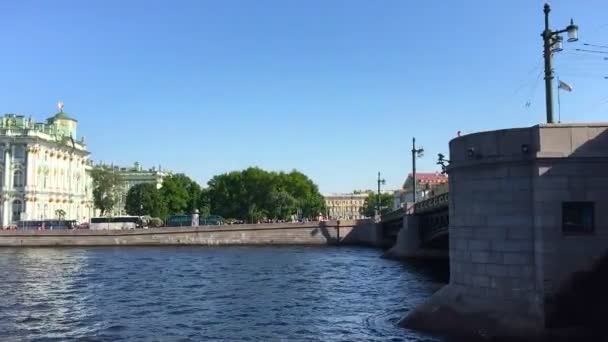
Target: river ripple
209 294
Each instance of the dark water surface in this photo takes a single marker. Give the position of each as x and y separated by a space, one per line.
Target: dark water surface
209 294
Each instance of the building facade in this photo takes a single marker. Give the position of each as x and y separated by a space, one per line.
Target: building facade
344 206
44 170
428 184
131 176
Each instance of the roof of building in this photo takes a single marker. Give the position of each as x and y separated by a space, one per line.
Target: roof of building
347 195
430 177
61 116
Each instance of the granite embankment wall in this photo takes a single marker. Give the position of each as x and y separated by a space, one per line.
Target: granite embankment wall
361 232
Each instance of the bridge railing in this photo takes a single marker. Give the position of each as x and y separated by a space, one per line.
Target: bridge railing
432 204
393 215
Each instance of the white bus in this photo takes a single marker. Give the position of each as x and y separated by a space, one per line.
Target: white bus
117 222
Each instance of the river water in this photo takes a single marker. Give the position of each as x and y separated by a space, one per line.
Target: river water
210 294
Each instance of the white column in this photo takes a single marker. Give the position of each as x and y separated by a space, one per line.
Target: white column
28 207
28 168
7 168
6 212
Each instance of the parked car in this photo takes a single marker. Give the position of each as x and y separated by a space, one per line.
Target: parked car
178 221
212 220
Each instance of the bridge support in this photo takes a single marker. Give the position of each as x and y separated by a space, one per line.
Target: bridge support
408 240
528 209
409 244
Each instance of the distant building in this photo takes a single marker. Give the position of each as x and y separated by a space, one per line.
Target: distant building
44 169
130 176
428 184
345 206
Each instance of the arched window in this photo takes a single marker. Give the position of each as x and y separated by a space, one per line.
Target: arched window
17 209
18 179
45 213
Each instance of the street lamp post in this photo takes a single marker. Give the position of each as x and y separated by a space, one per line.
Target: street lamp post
553 43
380 182
416 153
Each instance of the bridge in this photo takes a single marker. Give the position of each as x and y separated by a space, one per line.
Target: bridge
429 217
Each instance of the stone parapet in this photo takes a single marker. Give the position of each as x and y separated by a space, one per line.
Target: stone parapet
316 233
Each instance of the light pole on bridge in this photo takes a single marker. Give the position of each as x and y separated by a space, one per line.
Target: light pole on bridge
416 153
381 181
553 43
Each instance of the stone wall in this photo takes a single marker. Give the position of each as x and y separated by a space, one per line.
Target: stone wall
350 232
508 254
574 168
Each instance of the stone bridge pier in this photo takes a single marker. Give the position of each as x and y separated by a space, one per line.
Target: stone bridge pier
528 208
423 231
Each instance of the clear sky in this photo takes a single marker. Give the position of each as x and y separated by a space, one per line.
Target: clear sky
335 89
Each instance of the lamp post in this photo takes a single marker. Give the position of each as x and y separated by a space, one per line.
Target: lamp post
380 182
416 153
553 43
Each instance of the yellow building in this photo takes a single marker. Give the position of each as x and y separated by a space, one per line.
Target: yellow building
344 206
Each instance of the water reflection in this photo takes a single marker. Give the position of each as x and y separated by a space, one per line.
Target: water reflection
191 293
40 294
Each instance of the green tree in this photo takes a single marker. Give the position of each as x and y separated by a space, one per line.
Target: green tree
253 194
204 203
105 186
310 202
145 199
282 204
370 205
180 194
60 213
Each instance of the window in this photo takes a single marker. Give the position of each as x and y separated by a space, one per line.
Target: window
17 208
18 179
19 151
578 217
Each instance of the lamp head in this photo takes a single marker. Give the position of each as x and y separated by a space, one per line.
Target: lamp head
572 32
420 152
557 44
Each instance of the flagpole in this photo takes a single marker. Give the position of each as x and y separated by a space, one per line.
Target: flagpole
559 105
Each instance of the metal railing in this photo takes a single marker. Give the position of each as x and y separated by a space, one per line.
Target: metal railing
434 203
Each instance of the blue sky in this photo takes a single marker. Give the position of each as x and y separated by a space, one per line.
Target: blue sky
335 89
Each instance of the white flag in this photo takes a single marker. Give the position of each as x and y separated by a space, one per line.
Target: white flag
565 86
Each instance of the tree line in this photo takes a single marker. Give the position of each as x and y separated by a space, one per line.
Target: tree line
249 195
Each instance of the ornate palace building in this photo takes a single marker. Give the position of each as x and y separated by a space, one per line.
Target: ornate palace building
130 176
43 170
